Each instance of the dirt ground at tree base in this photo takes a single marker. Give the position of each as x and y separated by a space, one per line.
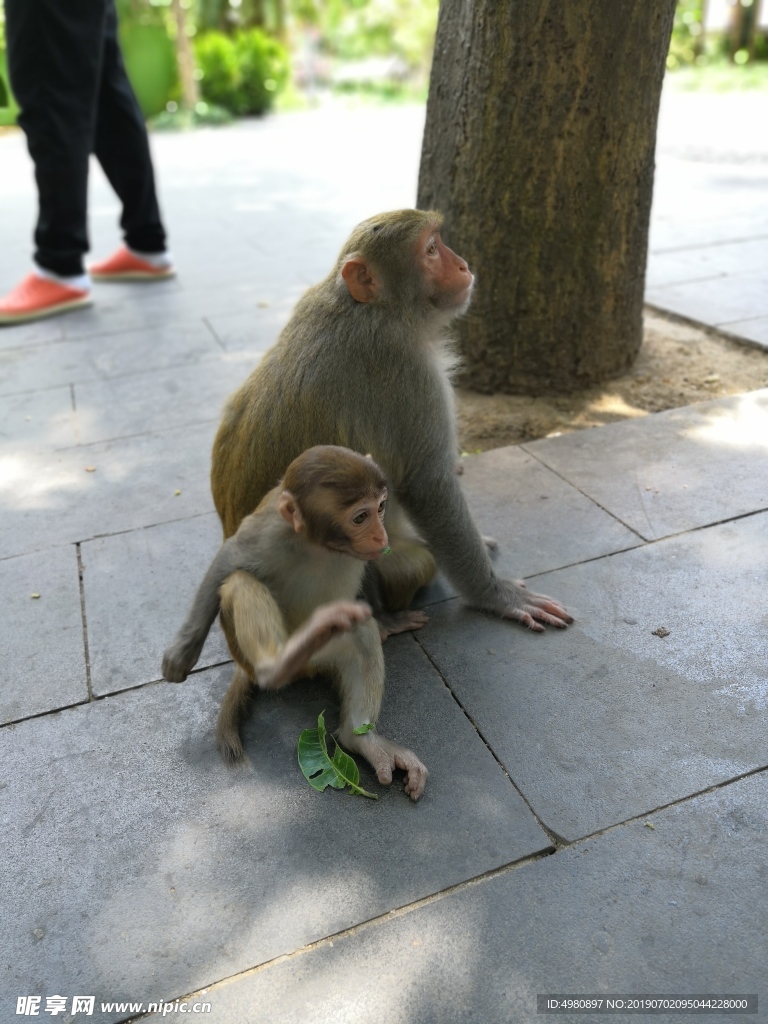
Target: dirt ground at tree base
678 365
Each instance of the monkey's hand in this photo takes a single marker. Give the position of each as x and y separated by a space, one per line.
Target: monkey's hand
178 661
515 601
390 623
384 756
331 619
325 623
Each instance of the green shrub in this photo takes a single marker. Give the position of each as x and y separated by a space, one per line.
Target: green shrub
242 74
263 66
215 55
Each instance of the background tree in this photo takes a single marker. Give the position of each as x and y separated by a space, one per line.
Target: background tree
190 93
539 149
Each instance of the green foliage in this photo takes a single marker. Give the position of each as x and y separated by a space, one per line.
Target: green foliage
8 107
721 76
685 44
150 62
176 119
742 40
321 770
268 15
215 55
263 68
356 29
241 73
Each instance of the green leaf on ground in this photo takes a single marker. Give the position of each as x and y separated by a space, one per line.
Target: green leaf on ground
320 769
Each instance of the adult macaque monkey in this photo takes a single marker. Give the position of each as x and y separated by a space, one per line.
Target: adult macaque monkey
286 583
361 363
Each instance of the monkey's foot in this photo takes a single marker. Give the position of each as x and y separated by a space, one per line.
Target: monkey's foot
178 662
390 623
384 756
324 624
532 609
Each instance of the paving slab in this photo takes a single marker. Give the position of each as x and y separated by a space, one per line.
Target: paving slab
138 588
539 521
149 868
724 300
39 333
42 653
665 473
605 720
142 403
727 258
39 420
754 329
51 500
47 365
636 911
253 330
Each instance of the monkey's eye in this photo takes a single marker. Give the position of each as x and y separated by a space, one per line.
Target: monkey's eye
382 508
431 249
360 519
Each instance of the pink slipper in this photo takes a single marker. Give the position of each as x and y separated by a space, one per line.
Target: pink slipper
124 266
37 297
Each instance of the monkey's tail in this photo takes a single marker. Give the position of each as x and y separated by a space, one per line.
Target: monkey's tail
234 709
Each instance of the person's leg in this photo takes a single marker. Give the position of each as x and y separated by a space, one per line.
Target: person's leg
122 148
54 63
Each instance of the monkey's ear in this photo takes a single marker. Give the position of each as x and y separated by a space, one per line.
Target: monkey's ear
360 282
289 510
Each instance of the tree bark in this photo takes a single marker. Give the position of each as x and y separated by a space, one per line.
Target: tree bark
190 92
539 149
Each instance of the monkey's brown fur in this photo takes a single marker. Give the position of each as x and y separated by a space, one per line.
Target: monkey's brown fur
286 583
371 376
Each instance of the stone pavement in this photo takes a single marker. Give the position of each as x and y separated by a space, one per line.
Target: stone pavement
596 815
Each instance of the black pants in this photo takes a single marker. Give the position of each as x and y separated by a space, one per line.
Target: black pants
75 99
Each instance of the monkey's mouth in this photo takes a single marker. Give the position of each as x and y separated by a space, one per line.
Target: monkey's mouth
374 556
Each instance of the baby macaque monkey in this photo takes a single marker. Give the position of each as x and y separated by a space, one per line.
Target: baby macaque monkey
286 585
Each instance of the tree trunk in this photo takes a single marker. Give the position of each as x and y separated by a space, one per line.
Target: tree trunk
539 150
190 92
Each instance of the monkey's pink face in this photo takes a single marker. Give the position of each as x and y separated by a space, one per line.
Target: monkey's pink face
364 527
449 281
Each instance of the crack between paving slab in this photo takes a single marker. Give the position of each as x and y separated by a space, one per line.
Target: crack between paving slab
589 497
557 841
116 533
80 572
690 280
136 529
743 320
678 801
75 422
96 698
141 433
645 541
709 329
205 358
653 541
354 930
708 245
216 338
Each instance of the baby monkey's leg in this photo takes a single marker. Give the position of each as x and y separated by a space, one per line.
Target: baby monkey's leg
258 641
255 632
359 666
